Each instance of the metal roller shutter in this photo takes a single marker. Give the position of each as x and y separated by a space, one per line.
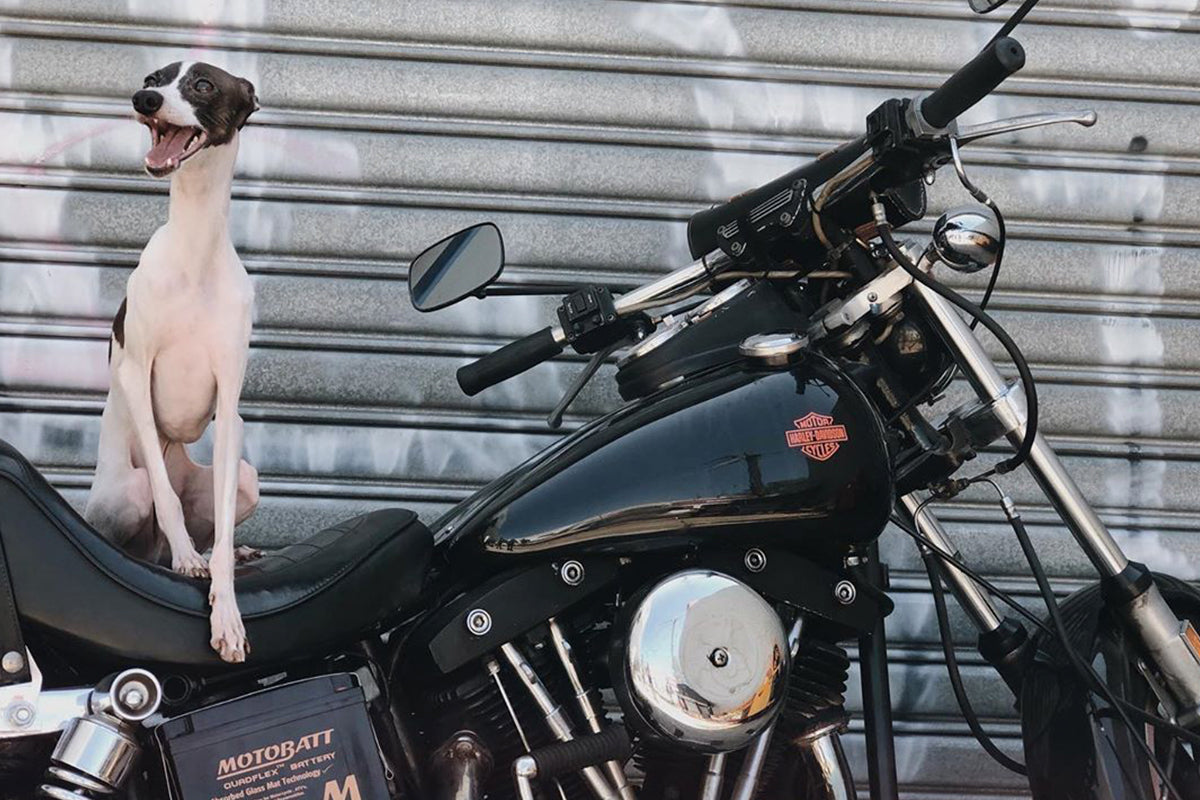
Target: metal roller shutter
589 130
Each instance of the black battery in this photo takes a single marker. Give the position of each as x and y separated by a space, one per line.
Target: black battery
308 740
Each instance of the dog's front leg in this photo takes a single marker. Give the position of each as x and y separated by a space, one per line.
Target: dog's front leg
228 632
133 378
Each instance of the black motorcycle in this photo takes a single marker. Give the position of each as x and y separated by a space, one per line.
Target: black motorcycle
656 605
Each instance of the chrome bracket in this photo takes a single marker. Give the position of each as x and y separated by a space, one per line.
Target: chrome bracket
985 421
916 120
25 710
878 297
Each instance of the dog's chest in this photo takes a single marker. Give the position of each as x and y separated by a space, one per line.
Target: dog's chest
196 329
183 391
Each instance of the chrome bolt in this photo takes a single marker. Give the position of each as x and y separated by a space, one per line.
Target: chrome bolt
872 297
572 573
134 696
13 662
845 592
719 657
479 622
21 714
756 560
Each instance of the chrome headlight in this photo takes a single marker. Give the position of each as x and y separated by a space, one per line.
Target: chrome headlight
967 239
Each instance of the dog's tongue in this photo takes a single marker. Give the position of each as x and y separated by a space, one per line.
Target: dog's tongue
172 144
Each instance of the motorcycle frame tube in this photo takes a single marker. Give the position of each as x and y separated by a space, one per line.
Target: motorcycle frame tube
877 696
970 595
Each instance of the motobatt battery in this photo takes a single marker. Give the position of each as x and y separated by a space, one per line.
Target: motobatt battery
309 740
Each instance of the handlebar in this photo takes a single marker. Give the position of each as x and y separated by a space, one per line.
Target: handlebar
510 360
966 87
526 353
974 81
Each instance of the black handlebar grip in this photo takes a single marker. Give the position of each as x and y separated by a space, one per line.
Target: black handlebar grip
974 81
562 758
512 359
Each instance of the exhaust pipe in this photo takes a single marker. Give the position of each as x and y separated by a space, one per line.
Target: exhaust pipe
460 767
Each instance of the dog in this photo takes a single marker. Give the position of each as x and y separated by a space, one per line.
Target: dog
177 355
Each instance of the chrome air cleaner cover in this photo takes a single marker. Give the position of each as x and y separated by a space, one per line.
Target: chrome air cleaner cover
705 662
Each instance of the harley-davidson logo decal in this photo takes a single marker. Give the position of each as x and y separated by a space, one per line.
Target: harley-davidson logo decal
817 436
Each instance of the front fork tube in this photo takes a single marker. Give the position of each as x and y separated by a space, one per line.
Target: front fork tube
1003 641
1172 648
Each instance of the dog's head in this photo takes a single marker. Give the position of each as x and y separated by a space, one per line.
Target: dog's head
189 106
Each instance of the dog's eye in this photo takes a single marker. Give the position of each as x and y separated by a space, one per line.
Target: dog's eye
151 80
203 86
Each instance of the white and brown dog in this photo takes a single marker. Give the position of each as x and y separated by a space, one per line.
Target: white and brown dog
178 352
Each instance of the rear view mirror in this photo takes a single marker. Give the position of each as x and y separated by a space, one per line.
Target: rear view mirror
984 6
456 267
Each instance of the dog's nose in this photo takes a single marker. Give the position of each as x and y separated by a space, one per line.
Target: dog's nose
147 102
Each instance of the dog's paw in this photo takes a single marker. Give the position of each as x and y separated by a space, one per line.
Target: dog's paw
190 563
228 632
244 554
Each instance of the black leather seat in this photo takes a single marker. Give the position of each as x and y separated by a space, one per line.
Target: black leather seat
79 590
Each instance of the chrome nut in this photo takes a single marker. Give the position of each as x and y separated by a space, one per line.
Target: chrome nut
12 662
479 622
572 573
756 560
21 714
844 592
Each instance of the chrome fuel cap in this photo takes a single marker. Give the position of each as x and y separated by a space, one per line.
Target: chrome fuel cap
775 349
706 661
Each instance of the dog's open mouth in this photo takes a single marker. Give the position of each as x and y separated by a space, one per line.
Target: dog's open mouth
171 145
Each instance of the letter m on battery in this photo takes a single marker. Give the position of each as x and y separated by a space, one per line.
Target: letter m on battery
347 791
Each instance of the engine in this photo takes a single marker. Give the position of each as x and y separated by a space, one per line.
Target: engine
691 664
488 701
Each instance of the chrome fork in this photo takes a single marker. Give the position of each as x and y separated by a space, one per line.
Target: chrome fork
1172 646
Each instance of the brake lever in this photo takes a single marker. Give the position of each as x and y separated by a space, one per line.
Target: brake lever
971 133
554 420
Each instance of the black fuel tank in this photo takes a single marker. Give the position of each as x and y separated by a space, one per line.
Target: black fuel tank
796 454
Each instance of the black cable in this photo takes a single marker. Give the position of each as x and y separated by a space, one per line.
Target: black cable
1141 715
1120 707
940 381
1014 352
991 285
992 589
1015 19
933 569
1084 669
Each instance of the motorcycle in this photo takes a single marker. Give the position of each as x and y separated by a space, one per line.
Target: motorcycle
658 604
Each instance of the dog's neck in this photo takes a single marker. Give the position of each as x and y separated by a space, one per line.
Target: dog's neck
200 192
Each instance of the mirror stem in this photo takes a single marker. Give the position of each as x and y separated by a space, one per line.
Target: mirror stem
530 289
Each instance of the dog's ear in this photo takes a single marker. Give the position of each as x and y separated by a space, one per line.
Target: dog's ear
251 98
